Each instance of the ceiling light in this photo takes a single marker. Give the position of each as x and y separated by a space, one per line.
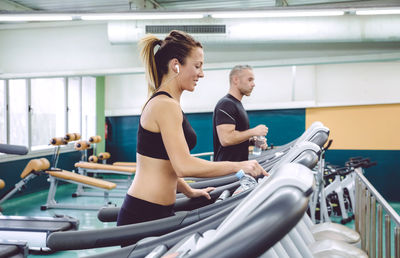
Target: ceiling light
377 11
34 17
271 14
141 16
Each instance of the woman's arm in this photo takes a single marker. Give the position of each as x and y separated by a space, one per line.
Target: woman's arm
170 125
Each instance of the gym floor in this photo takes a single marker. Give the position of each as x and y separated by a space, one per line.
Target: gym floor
29 205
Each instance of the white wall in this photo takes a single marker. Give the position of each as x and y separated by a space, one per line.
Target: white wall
276 87
360 83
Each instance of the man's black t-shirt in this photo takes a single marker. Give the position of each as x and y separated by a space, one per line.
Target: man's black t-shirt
229 110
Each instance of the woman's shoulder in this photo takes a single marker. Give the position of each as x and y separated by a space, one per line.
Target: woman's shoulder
162 106
163 101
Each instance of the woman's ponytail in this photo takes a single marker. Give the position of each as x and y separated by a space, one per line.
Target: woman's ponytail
147 45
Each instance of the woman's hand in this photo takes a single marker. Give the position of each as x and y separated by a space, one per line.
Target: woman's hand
252 168
200 192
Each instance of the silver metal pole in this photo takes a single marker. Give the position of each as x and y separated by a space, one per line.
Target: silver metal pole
357 205
372 253
362 220
397 241
387 236
380 231
367 221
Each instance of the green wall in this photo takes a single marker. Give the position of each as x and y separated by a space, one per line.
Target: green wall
100 107
122 130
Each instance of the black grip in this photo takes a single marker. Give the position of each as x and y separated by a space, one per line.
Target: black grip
13 149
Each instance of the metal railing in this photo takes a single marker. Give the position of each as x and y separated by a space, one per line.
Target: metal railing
375 240
204 154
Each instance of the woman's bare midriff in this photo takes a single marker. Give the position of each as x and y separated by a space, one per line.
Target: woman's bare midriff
155 181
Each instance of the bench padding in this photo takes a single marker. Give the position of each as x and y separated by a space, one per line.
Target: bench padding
35 165
127 164
67 175
104 167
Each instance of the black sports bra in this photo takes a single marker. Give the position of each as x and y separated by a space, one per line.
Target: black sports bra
150 144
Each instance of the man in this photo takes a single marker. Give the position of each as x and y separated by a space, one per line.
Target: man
231 131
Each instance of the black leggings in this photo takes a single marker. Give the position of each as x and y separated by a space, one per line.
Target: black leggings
135 210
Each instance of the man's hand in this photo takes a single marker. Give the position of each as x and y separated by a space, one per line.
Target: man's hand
260 130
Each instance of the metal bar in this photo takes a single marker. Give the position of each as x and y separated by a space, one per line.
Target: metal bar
80 108
362 220
30 113
397 242
380 231
389 210
387 236
202 154
293 83
357 206
66 109
7 100
367 221
372 252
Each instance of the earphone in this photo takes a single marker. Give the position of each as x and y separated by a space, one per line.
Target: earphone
177 68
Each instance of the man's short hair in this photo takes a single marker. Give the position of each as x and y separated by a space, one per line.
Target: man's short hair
237 69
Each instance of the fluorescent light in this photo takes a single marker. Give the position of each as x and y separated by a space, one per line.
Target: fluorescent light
141 16
377 11
34 17
272 14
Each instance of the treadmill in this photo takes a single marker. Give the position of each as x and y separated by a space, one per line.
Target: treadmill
20 232
283 195
306 154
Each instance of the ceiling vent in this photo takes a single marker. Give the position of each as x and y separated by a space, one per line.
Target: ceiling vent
191 29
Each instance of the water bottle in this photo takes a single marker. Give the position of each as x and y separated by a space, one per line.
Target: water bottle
246 181
257 145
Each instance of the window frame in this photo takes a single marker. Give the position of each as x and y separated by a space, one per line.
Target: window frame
50 149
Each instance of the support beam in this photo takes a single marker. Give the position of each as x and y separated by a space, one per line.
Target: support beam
144 4
8 5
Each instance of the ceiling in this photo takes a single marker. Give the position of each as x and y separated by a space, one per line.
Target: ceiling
7 6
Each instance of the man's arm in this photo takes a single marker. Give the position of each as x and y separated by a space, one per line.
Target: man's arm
229 136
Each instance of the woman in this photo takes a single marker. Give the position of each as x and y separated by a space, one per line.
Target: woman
165 136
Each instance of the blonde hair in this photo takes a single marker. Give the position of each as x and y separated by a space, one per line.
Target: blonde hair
147 45
177 44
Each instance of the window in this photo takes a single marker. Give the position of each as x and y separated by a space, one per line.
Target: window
42 108
18 112
88 107
3 128
48 111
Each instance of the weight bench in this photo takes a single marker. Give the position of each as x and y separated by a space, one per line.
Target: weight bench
85 167
37 167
